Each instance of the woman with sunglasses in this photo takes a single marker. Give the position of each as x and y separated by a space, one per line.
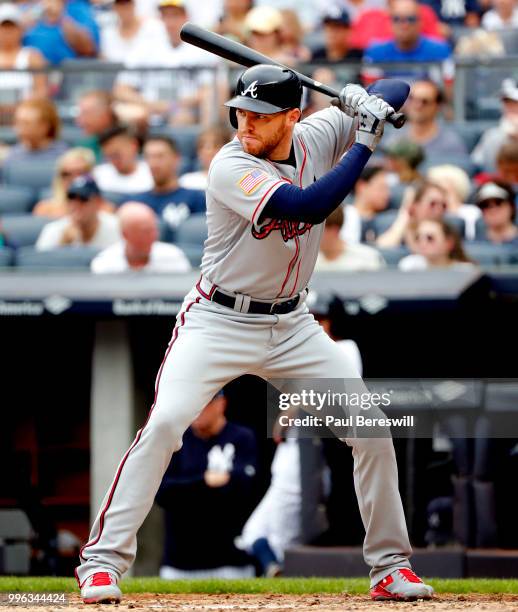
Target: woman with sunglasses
437 245
427 201
496 200
75 162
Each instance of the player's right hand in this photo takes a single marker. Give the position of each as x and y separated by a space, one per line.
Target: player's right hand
350 98
372 114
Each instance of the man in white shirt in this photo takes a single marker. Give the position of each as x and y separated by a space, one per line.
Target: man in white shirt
139 250
85 224
122 172
335 254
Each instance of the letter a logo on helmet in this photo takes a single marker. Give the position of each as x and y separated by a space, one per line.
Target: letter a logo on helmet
251 89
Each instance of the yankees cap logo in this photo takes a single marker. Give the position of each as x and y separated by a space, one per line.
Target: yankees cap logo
251 89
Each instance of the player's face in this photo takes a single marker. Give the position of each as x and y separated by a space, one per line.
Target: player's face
260 135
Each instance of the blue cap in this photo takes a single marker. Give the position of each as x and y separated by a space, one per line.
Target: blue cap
83 187
338 15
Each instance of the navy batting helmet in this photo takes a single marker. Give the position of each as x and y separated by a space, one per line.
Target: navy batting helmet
265 89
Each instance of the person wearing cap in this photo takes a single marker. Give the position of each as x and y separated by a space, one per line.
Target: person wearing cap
140 249
130 31
336 25
15 56
423 126
64 30
403 159
85 224
486 150
206 494
263 32
496 200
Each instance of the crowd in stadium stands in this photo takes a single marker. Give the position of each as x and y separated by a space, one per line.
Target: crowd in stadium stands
132 128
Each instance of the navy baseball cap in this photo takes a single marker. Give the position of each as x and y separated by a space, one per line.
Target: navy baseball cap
83 187
337 15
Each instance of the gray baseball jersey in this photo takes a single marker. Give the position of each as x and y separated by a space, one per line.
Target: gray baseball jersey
271 258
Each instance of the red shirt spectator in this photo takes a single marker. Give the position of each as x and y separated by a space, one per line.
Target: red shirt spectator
375 26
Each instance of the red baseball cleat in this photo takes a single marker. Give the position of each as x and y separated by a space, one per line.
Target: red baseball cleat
100 587
402 585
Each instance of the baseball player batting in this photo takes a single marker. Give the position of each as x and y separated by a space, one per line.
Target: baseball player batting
269 193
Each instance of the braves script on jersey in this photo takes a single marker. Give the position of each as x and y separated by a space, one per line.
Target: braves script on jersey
268 258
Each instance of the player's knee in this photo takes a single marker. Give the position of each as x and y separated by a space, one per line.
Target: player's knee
372 446
167 430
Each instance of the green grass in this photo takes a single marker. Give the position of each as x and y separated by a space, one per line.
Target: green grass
353 586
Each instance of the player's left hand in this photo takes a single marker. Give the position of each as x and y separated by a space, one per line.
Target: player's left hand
350 98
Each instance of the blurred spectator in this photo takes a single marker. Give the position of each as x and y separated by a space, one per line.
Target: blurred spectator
335 254
232 21
403 159
263 33
209 143
503 14
317 101
213 471
337 33
423 125
72 164
308 11
95 116
353 7
37 125
375 25
480 42
426 202
170 201
507 162
292 37
65 30
484 154
408 43
140 249
371 196
496 200
456 13
85 223
178 97
15 86
457 186
124 37
122 172
437 245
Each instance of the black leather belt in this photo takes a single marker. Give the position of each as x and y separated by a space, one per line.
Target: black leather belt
258 307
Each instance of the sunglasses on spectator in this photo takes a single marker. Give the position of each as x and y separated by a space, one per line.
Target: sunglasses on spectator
437 203
493 203
430 238
78 198
404 18
423 101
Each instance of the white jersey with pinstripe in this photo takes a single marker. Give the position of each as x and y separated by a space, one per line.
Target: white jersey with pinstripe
268 258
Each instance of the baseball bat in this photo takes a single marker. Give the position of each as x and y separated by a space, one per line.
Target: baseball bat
243 55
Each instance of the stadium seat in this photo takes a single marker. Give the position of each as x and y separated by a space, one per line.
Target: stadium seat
192 231
193 252
489 254
383 221
64 257
6 257
471 131
457 223
462 161
32 174
82 75
23 230
394 255
15 199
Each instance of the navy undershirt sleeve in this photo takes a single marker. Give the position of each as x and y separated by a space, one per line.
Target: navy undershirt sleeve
313 204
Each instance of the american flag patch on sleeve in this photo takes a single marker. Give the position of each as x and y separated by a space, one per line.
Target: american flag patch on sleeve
252 180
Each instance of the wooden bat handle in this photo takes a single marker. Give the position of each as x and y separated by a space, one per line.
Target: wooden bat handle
243 55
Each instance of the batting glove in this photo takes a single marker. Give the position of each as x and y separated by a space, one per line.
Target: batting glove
372 114
350 98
